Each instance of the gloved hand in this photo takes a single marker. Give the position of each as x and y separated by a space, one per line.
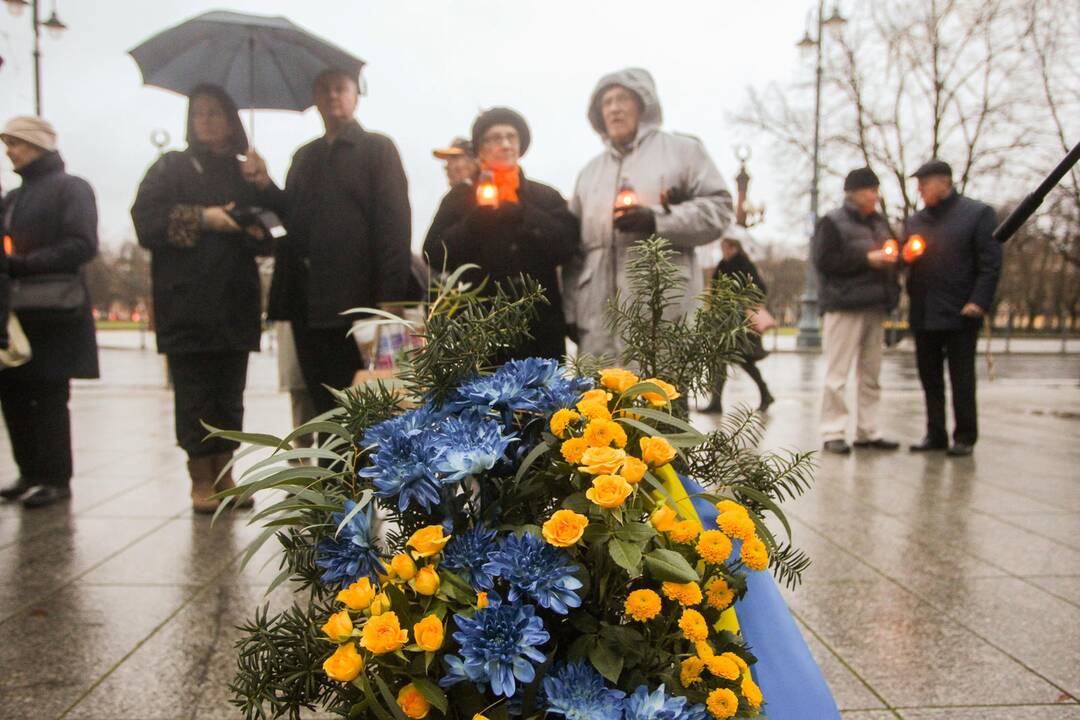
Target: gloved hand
673 196
637 219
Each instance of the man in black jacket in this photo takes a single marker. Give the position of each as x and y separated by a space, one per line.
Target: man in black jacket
349 224
858 288
951 287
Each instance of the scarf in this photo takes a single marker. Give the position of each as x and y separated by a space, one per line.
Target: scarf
506 180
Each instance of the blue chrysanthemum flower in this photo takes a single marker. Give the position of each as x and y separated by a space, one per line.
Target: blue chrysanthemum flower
350 554
401 468
467 445
488 392
562 392
658 705
577 692
498 647
533 567
518 385
468 551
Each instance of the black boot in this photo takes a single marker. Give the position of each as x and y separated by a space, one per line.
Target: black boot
17 489
45 495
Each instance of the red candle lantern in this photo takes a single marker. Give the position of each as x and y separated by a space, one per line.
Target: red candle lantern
625 199
487 194
914 248
891 248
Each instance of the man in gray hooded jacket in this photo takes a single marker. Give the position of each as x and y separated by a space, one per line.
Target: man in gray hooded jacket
679 196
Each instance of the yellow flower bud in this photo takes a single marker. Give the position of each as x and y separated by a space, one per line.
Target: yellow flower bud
656 451
428 541
664 518
427 581
339 626
412 703
481 600
428 633
380 604
403 566
618 379
345 664
357 596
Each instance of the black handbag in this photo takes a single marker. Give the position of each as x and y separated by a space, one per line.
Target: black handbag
60 293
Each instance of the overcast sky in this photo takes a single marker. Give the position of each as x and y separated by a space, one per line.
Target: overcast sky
431 66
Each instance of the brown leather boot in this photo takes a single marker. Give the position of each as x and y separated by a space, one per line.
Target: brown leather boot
225 482
201 470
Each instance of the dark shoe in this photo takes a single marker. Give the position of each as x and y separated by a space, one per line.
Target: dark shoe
766 401
877 444
925 445
837 447
17 489
45 495
960 450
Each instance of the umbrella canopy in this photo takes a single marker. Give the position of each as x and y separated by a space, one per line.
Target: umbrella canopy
266 63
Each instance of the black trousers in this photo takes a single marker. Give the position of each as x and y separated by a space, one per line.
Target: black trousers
933 348
208 387
39 426
327 356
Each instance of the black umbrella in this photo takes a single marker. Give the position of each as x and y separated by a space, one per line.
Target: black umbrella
266 63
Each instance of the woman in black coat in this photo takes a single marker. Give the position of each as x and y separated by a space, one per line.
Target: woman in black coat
52 222
531 232
207 299
736 262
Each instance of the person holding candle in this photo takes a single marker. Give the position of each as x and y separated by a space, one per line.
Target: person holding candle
851 251
508 225
646 181
951 284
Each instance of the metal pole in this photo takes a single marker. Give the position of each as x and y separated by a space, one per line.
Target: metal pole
809 329
37 57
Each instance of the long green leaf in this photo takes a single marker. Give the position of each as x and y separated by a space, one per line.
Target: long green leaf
765 500
388 696
530 459
431 692
376 706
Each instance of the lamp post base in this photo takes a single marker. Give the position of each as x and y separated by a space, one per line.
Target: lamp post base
809 337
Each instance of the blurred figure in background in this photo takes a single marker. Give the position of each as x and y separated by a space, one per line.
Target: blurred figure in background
461 164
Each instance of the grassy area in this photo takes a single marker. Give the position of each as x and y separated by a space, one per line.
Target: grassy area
119 325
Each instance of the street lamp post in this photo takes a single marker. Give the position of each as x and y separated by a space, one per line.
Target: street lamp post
809 327
53 24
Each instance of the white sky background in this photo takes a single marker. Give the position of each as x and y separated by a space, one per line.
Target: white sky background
432 65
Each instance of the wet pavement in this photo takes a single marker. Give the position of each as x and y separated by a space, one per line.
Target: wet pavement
940 588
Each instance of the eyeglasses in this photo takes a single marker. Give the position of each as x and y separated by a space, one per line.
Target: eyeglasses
500 138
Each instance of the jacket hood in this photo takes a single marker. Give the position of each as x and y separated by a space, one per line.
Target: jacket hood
239 144
637 80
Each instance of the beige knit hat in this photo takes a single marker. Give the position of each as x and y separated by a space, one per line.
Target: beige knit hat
34 130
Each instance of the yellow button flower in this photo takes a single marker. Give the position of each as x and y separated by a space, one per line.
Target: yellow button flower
722 703
663 518
412 703
751 691
754 554
690 671
737 525
643 605
656 451
692 624
602 433
718 594
684 593
609 491
633 470
574 449
380 604
428 541
428 633
684 532
618 379
383 634
594 409
564 528
345 664
723 667
357 596
602 460
427 581
655 398
726 506
714 547
403 566
561 419
339 626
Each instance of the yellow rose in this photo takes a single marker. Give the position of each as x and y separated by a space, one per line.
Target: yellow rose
633 470
345 664
754 554
383 634
693 626
609 491
723 667
602 461
684 532
339 626
602 433
357 596
380 604
643 605
737 525
427 581
564 528
403 566
428 541
594 409
481 600
561 419
714 547
718 594
618 379
690 671
751 691
722 703
412 703
655 398
428 633
656 451
663 518
478 716
684 593
573 449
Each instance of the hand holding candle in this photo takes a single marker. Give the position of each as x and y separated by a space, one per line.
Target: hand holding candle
487 194
914 248
626 199
891 248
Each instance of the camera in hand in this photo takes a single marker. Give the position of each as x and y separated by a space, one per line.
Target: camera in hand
265 220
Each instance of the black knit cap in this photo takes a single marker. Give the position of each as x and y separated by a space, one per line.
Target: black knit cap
500 116
861 178
933 167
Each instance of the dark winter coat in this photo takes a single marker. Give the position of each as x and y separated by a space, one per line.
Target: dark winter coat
533 237
961 263
346 207
842 240
740 265
5 282
53 228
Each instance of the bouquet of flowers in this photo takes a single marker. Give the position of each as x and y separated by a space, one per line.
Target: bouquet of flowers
517 542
